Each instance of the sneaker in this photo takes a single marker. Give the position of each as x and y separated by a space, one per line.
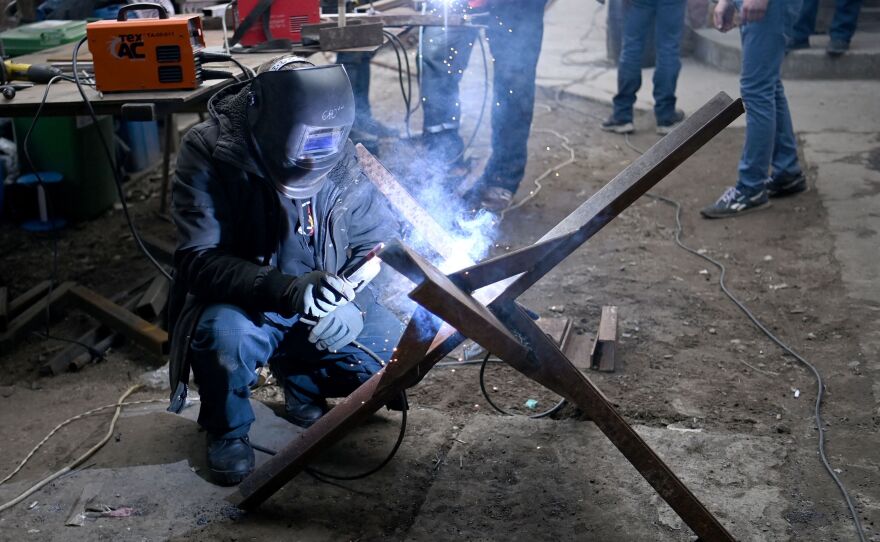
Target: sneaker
664 128
836 47
734 203
496 199
618 127
229 460
786 185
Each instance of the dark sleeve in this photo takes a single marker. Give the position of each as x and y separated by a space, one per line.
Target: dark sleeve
204 217
370 223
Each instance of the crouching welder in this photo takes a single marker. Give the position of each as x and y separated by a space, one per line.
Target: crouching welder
272 211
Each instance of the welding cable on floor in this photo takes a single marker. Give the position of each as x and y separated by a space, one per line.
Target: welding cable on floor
116 177
325 476
820 383
544 414
75 463
554 169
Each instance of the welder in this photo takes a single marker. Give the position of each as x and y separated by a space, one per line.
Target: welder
272 211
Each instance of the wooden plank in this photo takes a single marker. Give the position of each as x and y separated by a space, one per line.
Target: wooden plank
26 299
146 335
602 357
152 303
30 317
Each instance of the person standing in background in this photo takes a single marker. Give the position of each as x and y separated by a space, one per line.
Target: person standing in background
770 146
843 26
514 31
667 17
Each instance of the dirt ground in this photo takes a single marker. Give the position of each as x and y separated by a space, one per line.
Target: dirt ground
729 411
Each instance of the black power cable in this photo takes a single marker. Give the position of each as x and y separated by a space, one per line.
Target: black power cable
325 476
406 92
544 414
820 383
116 177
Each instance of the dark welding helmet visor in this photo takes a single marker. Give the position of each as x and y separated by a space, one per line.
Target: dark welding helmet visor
299 122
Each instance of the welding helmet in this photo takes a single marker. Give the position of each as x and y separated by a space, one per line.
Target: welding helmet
299 121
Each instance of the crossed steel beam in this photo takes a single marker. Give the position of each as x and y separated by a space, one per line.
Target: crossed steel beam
480 303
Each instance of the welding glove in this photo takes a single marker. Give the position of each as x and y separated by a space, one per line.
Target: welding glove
317 294
338 328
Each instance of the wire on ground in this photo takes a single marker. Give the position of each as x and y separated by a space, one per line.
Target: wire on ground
820 383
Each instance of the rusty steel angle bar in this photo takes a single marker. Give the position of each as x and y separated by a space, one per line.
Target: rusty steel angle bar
551 368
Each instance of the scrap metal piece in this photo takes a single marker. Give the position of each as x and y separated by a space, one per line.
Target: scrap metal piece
333 37
605 345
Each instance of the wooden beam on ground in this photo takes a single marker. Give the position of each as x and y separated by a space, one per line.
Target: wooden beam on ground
26 299
604 351
30 317
146 335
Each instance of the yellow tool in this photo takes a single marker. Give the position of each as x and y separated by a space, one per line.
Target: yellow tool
35 73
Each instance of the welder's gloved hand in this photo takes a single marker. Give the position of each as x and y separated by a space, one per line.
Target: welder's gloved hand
338 328
317 294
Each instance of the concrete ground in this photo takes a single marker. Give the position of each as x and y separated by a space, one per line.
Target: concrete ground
737 435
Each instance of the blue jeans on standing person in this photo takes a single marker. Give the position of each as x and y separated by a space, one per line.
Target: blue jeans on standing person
514 33
229 345
770 140
667 16
843 25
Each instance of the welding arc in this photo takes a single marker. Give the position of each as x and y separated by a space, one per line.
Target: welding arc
820 383
544 414
116 177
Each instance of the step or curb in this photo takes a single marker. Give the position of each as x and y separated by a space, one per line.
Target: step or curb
724 51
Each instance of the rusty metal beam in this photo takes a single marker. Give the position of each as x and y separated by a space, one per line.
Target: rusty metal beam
29 317
25 300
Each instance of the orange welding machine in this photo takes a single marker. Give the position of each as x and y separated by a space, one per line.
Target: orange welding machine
146 54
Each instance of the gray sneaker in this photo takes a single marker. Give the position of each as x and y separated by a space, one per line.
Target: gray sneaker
496 199
618 127
836 47
666 127
734 203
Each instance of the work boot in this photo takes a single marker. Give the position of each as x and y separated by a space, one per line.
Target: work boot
786 185
229 460
836 47
496 199
733 202
301 413
665 127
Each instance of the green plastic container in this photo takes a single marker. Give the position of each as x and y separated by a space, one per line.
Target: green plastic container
33 37
70 146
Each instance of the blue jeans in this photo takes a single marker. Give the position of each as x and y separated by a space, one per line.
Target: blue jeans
446 52
667 16
229 345
843 25
770 140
